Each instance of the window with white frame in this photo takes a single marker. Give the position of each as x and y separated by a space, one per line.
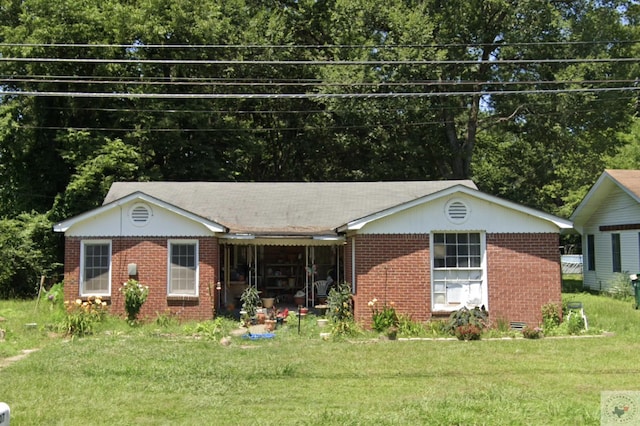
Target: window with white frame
457 270
95 279
183 268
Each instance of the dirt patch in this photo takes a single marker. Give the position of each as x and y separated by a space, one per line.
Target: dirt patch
8 361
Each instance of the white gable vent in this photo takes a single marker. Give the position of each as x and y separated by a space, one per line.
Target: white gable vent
140 214
457 211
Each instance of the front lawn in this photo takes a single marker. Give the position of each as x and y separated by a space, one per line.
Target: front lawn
153 375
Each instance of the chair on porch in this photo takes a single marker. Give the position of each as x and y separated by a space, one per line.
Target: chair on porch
319 290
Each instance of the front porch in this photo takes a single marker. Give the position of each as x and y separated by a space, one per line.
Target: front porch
285 270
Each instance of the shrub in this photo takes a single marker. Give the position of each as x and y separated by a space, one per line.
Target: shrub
620 287
550 316
55 295
81 317
468 332
383 318
340 311
477 317
532 333
408 327
575 324
135 294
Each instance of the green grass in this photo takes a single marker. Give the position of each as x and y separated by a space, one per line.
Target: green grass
157 375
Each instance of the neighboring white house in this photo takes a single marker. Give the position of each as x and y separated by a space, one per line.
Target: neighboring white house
608 218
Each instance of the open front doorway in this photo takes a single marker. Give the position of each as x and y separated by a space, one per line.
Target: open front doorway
279 271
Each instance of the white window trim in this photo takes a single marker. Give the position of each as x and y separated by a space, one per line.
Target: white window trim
197 261
83 244
483 266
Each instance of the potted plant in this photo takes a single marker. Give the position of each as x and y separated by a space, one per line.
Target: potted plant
250 299
267 302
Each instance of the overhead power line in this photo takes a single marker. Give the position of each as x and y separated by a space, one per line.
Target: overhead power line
309 95
151 81
317 62
142 46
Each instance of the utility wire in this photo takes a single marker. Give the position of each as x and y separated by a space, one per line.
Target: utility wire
309 95
150 81
317 62
142 46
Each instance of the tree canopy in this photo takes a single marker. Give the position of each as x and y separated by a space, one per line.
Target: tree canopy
530 99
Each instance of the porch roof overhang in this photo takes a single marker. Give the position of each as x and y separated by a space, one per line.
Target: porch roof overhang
281 240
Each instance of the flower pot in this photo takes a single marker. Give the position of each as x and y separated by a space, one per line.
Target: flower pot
261 317
322 322
270 325
298 300
267 302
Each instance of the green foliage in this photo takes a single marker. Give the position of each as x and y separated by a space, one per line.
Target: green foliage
82 317
532 333
619 287
409 328
574 324
467 332
340 311
477 317
550 316
55 295
383 318
250 299
135 294
212 329
27 251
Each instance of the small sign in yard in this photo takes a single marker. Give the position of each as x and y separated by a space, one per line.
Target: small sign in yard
4 414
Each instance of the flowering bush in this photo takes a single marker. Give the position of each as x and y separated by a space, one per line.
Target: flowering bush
383 318
468 332
82 316
135 294
532 333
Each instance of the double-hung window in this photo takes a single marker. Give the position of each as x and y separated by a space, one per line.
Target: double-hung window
615 253
183 268
591 253
457 270
95 267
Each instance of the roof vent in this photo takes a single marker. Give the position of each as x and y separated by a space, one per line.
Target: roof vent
140 214
457 211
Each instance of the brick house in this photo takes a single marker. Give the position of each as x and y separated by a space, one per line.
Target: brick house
428 247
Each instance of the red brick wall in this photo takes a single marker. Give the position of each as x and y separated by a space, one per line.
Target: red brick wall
523 273
393 269
150 255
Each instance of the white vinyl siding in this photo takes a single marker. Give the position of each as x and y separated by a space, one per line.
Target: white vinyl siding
618 208
95 268
183 268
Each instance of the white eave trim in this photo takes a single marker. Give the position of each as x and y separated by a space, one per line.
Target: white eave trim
139 196
360 223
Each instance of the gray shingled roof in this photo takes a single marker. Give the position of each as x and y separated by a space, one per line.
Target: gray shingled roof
288 208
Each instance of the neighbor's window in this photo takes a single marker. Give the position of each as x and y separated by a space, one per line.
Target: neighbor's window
591 253
615 253
457 270
95 269
183 267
